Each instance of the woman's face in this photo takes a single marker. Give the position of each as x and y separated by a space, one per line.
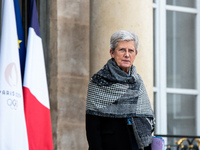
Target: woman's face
124 54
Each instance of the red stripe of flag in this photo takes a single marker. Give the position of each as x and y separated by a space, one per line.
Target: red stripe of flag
37 127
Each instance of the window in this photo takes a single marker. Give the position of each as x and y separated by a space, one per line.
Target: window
176 67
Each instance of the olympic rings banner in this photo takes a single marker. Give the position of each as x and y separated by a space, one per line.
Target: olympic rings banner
13 133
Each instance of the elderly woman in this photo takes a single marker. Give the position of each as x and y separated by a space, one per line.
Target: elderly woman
118 110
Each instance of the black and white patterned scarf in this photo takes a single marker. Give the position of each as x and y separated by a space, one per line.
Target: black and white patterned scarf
115 93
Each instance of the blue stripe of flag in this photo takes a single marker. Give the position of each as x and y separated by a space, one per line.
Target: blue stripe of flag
33 22
20 33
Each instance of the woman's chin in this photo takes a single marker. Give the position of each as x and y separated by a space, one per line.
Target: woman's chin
125 69
126 66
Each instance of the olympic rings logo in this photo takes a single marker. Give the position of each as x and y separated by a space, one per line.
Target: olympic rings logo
12 103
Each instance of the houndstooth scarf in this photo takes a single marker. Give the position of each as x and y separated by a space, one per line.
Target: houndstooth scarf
114 93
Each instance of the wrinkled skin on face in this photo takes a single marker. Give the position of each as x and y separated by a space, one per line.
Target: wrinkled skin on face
124 54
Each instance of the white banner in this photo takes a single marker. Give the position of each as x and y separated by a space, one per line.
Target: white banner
13 135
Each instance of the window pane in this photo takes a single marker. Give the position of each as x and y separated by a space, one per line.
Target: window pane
181 114
184 3
181 56
154 47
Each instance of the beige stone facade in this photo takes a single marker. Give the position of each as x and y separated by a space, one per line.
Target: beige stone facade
79 37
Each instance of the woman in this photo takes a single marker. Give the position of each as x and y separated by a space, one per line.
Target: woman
118 110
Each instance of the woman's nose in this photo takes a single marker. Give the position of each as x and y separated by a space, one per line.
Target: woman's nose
126 54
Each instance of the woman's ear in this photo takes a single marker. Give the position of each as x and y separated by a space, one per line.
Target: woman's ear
111 53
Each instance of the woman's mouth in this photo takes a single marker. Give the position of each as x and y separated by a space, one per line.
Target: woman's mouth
126 60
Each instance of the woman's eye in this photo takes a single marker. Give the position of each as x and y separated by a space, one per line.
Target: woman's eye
131 51
122 50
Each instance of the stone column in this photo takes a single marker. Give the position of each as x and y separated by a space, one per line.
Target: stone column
109 16
68 70
72 72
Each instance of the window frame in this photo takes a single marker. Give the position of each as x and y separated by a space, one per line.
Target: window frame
160 88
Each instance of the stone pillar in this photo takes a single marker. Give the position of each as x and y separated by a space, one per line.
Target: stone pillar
109 16
72 72
69 72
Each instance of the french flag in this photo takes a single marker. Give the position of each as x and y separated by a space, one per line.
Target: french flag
36 98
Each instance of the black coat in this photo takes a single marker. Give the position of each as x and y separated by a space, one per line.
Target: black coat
105 133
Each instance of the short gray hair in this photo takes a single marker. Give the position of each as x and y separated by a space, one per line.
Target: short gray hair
123 35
